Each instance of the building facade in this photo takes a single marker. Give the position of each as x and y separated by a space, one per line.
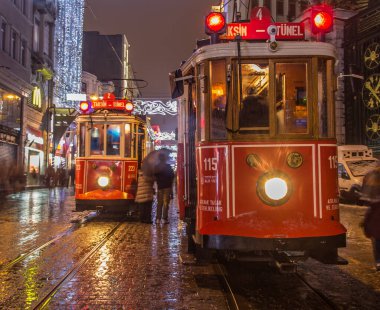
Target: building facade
362 91
37 128
107 57
68 51
16 37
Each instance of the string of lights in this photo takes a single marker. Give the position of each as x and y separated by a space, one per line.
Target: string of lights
150 107
69 38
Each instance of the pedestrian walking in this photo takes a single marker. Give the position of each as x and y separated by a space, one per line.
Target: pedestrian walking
164 178
371 195
144 196
50 176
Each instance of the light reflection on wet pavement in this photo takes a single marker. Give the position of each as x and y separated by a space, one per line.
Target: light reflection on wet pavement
140 266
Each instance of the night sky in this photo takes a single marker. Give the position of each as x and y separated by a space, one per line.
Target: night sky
161 33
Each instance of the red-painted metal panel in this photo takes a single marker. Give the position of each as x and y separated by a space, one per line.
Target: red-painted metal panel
212 185
130 178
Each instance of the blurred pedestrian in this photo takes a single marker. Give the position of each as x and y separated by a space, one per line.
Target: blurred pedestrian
164 178
50 176
371 195
144 197
71 176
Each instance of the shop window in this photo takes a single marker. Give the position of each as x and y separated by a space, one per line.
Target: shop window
291 98
113 139
254 108
10 109
218 99
97 139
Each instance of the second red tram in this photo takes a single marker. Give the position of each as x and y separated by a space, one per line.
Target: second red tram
257 154
111 145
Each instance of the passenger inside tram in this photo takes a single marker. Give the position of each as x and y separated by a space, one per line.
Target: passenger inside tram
255 110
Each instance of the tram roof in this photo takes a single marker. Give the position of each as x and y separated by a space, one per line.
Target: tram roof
260 50
111 116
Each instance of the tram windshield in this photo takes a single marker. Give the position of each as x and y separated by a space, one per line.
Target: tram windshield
254 108
291 98
115 139
269 97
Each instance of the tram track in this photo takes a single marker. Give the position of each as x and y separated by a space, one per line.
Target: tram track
246 295
45 300
229 293
327 301
36 249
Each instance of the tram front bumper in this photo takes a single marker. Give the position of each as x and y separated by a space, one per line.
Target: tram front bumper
109 200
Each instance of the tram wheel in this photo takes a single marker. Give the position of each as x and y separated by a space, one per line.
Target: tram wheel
190 231
203 256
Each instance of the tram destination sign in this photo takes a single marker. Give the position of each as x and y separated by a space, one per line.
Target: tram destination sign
109 104
257 28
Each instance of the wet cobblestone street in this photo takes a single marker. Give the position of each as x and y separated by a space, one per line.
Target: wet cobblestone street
140 267
145 266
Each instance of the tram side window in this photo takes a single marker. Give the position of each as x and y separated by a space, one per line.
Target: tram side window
291 98
82 139
325 97
97 140
141 145
134 140
128 140
113 139
254 110
218 99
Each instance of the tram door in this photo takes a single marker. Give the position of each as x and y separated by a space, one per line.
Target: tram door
140 145
190 211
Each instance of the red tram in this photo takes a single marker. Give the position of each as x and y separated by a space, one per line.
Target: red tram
111 145
257 154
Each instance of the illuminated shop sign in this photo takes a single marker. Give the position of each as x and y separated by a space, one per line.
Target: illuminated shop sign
36 97
33 138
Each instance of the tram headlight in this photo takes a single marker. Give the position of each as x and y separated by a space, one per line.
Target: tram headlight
274 188
103 181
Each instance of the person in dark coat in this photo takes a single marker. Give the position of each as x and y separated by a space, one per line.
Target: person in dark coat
371 195
144 197
255 111
164 178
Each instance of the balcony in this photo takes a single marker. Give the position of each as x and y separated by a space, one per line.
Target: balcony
46 6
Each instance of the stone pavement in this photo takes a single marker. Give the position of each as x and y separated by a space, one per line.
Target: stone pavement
142 267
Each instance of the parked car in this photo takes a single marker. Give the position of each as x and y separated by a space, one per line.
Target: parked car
354 161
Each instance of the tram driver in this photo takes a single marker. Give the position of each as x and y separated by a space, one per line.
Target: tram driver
255 110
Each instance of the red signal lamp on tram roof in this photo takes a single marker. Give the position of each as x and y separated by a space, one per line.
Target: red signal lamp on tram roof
84 106
129 106
322 19
215 23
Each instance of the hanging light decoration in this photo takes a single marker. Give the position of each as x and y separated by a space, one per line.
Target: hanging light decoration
69 38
